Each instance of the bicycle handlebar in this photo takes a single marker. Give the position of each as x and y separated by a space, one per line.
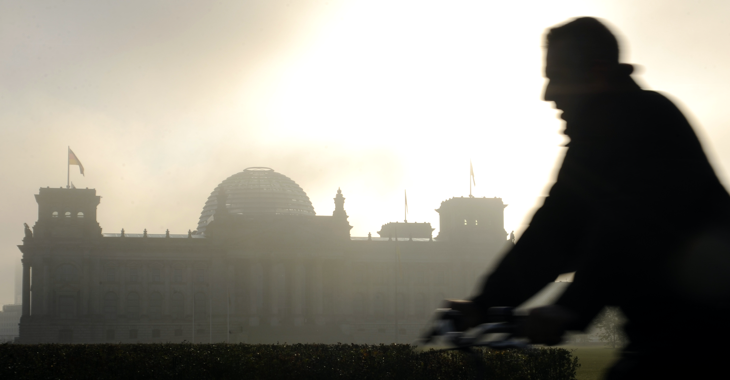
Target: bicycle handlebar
503 321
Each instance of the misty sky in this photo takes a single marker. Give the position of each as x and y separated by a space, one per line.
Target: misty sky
163 100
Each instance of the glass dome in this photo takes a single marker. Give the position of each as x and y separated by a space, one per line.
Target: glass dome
258 190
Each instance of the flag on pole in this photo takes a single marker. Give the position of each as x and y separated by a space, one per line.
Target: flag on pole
73 160
72 185
406 215
471 173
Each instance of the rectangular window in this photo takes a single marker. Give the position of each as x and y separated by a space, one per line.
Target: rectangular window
111 274
132 334
156 274
200 275
178 275
134 274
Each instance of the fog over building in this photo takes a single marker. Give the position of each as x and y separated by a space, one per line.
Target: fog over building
261 267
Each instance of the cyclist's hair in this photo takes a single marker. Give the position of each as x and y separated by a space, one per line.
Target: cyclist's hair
587 41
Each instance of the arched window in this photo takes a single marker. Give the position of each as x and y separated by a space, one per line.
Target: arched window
68 214
110 305
177 305
55 214
67 272
66 307
155 308
80 215
132 305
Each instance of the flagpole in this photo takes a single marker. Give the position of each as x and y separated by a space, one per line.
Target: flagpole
405 212
68 167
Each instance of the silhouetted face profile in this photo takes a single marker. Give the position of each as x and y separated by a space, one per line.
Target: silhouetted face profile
581 60
566 83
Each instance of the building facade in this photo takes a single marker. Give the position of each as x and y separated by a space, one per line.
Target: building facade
261 267
9 318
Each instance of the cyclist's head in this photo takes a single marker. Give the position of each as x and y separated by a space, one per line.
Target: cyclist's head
584 43
582 58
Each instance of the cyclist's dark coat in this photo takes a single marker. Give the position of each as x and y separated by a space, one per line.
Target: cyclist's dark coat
637 211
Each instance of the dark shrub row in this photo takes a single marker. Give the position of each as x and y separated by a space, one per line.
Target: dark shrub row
299 361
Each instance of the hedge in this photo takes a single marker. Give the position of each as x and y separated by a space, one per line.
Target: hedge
299 361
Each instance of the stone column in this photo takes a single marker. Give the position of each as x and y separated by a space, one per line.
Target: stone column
82 304
266 306
218 290
317 288
298 292
190 293
167 273
26 287
290 282
308 306
48 264
37 287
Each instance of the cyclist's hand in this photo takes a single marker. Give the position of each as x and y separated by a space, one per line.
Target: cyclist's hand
547 324
471 316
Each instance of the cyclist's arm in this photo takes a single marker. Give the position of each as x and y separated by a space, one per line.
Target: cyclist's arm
549 246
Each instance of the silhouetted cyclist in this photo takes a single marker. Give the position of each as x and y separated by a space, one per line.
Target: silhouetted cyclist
637 212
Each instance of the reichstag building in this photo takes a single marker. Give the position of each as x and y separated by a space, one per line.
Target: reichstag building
261 267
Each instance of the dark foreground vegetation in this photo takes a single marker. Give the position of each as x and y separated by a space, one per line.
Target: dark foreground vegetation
299 361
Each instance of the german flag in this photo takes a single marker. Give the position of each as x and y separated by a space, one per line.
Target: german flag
73 160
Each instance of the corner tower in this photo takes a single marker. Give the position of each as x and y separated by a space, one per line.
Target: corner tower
472 219
67 213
